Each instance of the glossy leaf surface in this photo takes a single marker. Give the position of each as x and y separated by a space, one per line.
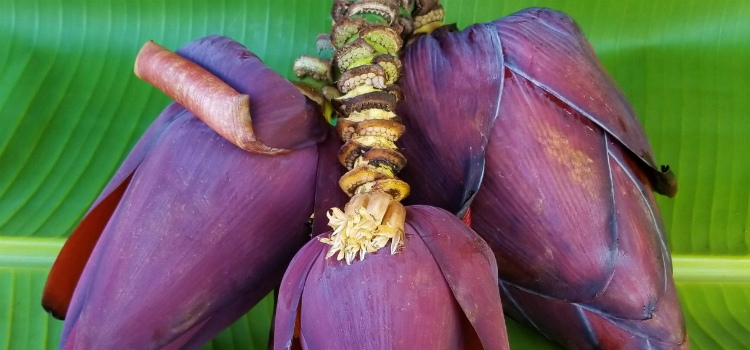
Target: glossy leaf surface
71 109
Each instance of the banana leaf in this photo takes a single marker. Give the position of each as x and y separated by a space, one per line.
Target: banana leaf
71 108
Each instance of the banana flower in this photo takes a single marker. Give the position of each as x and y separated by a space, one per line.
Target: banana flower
193 229
439 292
521 127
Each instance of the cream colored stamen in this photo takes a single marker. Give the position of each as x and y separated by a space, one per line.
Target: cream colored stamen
367 224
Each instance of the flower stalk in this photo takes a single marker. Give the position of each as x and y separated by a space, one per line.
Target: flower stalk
365 41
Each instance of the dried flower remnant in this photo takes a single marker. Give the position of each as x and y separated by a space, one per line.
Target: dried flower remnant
440 292
367 37
366 229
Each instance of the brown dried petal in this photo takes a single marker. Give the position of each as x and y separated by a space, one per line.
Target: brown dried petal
371 100
383 36
388 9
358 76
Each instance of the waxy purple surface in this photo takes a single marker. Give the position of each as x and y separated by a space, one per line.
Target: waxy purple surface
282 117
468 266
429 295
328 194
164 274
548 48
139 151
543 174
566 198
441 84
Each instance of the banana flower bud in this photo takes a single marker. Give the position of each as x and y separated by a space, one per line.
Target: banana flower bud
193 229
522 107
439 292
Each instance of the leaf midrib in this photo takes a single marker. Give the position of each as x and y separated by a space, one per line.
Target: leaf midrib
32 252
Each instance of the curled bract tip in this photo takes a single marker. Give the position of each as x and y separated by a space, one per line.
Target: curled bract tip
365 226
212 100
224 96
179 205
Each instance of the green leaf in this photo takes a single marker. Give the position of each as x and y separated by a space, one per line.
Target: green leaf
70 109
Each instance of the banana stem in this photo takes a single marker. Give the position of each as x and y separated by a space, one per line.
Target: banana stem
367 37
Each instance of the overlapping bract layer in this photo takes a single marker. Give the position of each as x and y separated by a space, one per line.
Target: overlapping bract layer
193 231
520 106
566 177
439 292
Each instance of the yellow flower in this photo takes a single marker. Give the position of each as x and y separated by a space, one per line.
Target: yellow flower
359 233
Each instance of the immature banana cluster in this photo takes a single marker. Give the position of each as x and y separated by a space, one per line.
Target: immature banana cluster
366 38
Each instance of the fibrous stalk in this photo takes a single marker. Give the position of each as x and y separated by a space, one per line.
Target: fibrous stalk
367 36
